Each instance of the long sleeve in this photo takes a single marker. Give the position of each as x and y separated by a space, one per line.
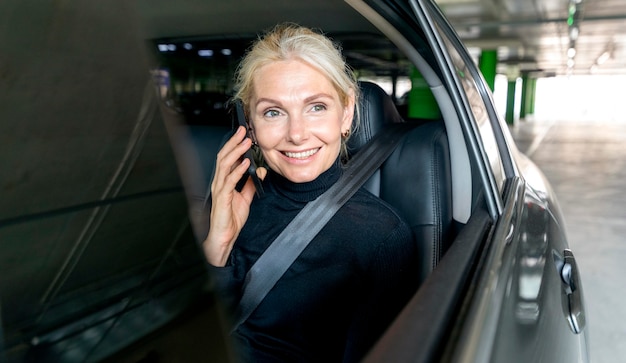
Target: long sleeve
225 285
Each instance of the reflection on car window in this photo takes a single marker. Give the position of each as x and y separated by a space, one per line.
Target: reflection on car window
479 111
195 77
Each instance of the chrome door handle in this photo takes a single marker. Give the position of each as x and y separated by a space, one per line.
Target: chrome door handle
575 311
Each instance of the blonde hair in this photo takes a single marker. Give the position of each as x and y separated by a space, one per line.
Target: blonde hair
291 41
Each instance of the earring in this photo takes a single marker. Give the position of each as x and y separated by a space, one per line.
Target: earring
345 134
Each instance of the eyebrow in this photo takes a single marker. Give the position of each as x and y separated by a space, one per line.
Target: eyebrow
316 96
306 100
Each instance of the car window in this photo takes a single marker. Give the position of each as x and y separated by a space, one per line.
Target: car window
478 108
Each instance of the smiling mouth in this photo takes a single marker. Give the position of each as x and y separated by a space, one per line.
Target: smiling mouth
301 154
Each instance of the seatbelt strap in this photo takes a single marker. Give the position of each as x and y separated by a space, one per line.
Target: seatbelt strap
284 250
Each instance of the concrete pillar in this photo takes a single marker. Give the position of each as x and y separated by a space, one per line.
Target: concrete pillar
512 74
529 86
525 94
531 96
487 63
510 102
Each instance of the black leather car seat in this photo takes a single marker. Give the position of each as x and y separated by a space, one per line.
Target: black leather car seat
415 179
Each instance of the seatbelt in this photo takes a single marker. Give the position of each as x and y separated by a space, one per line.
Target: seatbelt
284 250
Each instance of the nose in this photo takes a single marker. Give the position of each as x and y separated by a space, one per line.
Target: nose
298 131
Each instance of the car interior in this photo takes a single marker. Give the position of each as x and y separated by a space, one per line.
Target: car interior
427 179
417 179
193 52
430 178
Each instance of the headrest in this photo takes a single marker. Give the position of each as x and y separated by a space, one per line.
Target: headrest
376 110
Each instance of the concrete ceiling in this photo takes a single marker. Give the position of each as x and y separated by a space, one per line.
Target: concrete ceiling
529 35
535 35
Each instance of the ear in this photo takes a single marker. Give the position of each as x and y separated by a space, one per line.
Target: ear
348 112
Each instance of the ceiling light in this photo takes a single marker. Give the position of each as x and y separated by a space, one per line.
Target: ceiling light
571 52
573 33
166 47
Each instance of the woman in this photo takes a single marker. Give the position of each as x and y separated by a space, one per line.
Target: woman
357 273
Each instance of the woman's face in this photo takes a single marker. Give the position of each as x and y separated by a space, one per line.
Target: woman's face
298 119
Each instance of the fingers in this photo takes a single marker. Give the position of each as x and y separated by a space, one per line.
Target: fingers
230 167
248 191
229 209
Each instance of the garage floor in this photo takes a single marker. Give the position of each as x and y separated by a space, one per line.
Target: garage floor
586 164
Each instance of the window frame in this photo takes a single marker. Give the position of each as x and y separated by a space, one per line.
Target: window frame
431 19
498 126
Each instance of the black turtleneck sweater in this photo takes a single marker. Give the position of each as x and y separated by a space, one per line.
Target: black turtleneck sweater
342 291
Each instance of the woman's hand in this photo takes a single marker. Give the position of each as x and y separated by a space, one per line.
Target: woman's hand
230 208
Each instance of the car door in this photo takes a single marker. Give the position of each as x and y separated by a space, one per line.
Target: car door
527 303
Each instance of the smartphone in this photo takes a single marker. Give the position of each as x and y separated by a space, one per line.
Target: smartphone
241 121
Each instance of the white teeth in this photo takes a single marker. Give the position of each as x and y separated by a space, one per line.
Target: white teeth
302 154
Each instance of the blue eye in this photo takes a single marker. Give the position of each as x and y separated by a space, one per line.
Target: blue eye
271 113
318 107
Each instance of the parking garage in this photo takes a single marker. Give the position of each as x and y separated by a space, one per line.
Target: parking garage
557 71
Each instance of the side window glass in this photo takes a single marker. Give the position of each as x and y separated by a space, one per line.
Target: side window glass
194 77
479 111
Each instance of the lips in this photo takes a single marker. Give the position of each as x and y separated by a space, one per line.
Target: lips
301 154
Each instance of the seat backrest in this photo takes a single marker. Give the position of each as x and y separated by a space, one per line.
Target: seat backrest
415 179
